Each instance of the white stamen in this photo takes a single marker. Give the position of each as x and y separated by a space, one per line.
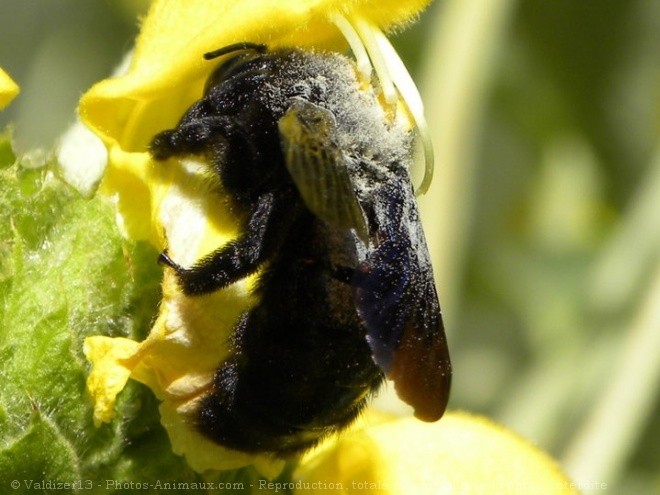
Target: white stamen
371 47
357 47
411 97
367 33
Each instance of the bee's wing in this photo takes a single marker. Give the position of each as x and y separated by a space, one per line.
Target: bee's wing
317 167
394 291
397 300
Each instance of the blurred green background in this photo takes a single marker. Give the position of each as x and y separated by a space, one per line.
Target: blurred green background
543 218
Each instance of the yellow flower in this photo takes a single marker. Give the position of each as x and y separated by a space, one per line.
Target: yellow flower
459 455
169 203
8 89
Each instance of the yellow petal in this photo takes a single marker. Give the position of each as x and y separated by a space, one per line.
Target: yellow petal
168 72
8 89
111 360
128 180
460 454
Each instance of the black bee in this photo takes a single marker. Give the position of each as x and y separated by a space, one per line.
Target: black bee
345 294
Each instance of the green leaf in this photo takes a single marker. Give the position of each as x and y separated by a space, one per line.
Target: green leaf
27 464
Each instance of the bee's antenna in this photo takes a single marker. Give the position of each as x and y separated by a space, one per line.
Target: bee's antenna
257 47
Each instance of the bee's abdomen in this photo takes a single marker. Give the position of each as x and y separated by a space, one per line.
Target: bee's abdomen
301 369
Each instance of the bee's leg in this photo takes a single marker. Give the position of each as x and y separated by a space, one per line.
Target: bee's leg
164 259
242 256
194 135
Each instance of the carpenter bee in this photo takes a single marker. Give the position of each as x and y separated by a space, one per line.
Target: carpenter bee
345 294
